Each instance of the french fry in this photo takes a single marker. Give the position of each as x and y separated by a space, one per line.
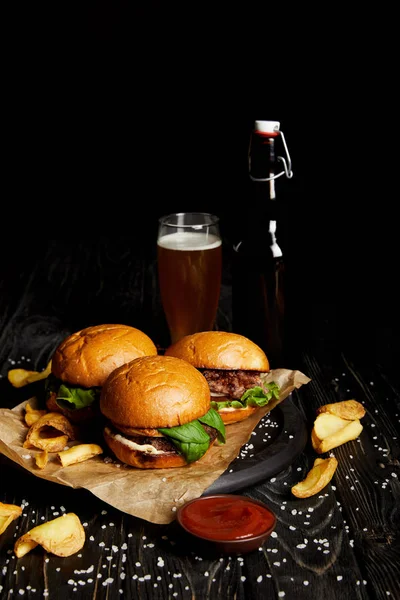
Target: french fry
317 478
326 424
79 453
350 432
8 512
62 536
32 415
42 434
42 459
347 409
20 377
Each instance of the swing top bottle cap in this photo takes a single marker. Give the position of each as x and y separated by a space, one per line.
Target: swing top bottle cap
270 128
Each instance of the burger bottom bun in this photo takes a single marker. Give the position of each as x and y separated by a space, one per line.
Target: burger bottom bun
236 415
141 459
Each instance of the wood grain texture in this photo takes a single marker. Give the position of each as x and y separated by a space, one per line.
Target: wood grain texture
342 543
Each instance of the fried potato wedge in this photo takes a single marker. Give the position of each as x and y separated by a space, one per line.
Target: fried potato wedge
315 441
79 453
317 478
43 433
326 424
32 414
350 432
347 409
42 459
8 512
20 377
51 443
62 536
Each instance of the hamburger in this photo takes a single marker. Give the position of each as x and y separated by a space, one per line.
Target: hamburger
235 369
158 413
82 362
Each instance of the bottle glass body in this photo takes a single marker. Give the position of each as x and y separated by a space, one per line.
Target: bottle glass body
258 267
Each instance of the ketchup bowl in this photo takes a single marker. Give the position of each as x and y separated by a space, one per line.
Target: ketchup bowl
231 524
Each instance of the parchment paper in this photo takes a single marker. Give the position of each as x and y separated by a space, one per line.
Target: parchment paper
151 494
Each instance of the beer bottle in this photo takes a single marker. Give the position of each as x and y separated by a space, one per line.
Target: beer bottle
258 268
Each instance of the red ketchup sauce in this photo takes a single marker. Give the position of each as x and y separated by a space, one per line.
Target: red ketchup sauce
222 518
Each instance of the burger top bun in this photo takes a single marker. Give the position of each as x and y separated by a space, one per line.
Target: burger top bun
154 391
87 357
220 350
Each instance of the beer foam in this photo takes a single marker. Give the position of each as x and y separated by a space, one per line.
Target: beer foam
188 240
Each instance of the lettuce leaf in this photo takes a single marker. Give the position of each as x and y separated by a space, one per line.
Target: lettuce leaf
256 396
73 398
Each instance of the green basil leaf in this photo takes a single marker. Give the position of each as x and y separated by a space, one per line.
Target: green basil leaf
213 419
190 432
74 398
190 439
190 451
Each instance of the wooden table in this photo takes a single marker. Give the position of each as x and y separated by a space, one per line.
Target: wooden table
342 543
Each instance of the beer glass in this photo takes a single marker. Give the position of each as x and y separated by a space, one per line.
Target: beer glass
189 257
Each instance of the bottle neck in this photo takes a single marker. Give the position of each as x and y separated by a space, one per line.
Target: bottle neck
262 159
262 163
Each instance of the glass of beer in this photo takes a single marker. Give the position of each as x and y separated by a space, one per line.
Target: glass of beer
189 256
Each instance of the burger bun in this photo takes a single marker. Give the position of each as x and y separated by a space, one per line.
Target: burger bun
220 350
153 392
87 357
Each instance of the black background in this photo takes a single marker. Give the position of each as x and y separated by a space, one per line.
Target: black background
118 112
